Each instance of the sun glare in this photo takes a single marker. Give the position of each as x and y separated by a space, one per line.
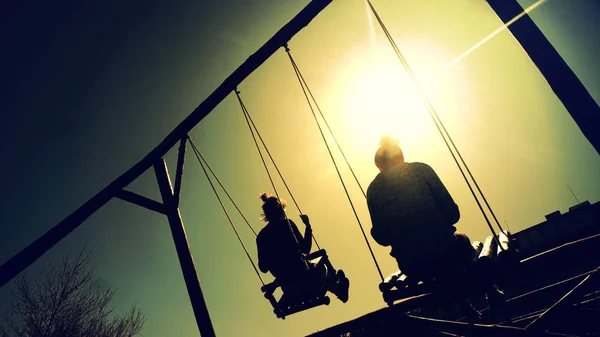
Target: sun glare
380 99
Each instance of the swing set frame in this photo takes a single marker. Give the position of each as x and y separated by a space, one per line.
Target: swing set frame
170 193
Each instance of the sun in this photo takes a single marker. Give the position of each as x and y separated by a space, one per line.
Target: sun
378 98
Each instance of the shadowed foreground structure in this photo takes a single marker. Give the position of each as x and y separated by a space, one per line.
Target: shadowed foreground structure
555 292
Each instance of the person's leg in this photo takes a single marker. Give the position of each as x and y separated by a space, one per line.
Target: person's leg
457 269
416 272
293 281
291 294
465 254
343 284
337 282
463 250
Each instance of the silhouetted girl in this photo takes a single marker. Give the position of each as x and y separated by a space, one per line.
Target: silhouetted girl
281 251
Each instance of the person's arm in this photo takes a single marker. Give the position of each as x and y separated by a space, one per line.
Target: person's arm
441 195
307 241
263 257
304 243
380 230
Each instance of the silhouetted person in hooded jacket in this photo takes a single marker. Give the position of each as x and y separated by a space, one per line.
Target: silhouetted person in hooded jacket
412 211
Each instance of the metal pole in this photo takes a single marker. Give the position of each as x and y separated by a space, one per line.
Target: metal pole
141 201
561 78
39 247
179 172
183 251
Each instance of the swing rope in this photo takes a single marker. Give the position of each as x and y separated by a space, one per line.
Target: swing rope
331 131
254 132
203 162
305 90
224 189
440 126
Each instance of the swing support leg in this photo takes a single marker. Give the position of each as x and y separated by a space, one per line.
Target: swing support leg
559 75
184 253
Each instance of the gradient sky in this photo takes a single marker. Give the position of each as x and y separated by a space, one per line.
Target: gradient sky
88 88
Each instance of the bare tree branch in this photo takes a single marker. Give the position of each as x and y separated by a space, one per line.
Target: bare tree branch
67 300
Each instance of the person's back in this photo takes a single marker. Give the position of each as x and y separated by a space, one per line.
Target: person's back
279 251
410 208
406 214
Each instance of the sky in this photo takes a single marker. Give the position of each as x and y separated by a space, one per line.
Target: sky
88 88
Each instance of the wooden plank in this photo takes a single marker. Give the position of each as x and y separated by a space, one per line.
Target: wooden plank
179 172
477 329
566 301
141 201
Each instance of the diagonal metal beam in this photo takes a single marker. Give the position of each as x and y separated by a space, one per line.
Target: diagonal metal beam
141 201
184 253
36 249
467 329
179 172
560 77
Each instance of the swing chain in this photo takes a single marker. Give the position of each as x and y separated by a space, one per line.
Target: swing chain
204 165
306 90
254 132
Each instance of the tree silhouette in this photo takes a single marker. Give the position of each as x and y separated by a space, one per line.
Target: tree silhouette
67 300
